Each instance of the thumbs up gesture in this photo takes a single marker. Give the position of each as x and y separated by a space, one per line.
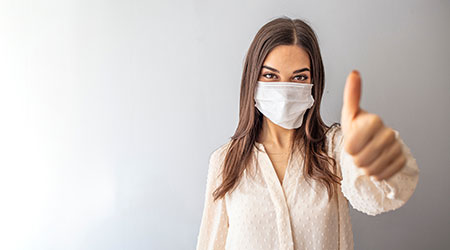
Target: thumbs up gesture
372 145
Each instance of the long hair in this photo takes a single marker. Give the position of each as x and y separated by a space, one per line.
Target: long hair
310 138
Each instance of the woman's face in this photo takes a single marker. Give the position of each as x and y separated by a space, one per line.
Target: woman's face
286 63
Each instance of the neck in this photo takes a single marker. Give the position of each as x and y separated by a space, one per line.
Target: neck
275 136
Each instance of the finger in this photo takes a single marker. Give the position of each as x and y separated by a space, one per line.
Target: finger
352 95
392 169
368 125
385 159
383 139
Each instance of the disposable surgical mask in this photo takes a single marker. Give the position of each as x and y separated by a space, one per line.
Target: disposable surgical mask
284 103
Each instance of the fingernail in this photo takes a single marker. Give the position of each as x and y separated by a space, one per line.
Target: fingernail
356 72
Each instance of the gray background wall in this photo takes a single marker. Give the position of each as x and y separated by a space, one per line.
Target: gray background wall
109 111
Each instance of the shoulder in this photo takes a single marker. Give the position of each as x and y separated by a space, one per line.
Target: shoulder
334 131
334 136
218 154
216 160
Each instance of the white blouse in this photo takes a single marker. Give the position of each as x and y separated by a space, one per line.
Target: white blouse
262 213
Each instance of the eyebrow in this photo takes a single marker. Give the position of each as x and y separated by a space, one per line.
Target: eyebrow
296 71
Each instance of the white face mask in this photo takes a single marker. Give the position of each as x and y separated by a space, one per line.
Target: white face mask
284 103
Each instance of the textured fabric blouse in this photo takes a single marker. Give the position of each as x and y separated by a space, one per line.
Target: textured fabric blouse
262 213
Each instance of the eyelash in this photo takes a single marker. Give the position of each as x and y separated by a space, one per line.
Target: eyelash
306 77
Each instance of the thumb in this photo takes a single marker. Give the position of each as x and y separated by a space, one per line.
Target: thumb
352 95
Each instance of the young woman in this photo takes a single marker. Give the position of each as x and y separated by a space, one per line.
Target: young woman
284 179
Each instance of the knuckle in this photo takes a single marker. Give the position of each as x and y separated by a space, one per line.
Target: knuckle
378 177
391 134
370 171
397 148
358 161
387 176
376 171
373 171
376 120
403 160
350 148
347 148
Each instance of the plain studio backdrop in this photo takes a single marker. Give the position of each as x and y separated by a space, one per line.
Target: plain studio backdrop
109 111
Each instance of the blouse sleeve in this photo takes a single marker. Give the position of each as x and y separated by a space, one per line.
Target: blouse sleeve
368 195
214 224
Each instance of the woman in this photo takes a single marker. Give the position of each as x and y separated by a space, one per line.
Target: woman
285 178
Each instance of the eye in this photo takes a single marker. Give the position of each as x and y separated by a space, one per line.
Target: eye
268 74
302 77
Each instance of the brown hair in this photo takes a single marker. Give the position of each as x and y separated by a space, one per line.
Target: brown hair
310 137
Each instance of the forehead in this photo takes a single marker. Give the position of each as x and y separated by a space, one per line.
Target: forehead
287 58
